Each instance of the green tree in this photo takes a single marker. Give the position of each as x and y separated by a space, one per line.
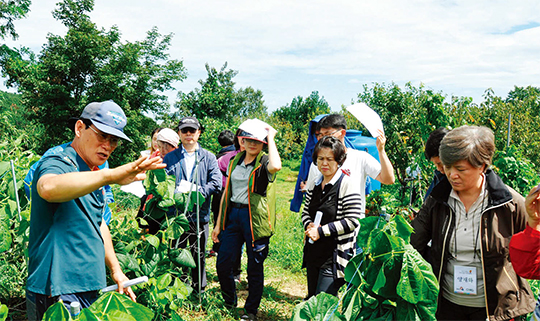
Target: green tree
293 120
218 105
91 64
217 98
11 10
409 115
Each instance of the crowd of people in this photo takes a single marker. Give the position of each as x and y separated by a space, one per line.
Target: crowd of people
471 226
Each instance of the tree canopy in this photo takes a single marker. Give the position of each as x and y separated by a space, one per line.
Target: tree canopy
217 98
92 64
11 10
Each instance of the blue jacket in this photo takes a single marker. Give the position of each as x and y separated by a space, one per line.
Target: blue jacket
209 177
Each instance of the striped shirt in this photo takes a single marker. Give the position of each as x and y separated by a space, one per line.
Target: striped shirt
349 207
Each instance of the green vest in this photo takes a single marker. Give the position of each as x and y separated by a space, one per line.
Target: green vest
261 196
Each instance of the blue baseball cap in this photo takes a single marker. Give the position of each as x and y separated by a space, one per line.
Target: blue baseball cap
108 117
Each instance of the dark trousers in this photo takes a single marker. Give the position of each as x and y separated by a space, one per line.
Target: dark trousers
447 310
216 198
189 238
322 279
37 304
236 233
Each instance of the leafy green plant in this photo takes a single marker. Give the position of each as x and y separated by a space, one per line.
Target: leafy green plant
111 306
3 312
14 229
318 308
515 170
165 294
389 280
154 255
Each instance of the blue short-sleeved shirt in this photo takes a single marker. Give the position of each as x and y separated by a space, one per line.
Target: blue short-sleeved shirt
65 249
58 149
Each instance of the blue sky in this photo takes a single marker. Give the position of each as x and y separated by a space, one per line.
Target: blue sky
291 48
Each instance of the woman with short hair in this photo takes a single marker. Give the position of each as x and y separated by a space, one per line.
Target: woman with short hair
470 216
338 199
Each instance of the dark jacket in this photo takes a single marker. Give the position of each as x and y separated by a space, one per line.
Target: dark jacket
507 294
209 177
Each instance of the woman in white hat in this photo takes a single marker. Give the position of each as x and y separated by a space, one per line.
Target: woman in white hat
247 213
167 141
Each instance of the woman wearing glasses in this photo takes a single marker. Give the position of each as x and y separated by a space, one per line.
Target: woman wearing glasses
470 216
247 213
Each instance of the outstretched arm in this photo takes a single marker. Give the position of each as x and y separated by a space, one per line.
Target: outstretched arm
65 187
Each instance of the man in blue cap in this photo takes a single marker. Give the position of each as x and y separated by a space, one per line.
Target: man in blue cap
69 242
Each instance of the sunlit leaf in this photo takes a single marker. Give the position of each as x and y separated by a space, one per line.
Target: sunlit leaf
115 306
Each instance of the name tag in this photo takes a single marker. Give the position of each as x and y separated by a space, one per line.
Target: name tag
465 280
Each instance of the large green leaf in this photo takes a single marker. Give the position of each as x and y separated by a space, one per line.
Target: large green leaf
13 209
163 281
149 268
353 303
401 228
57 312
388 277
3 312
87 315
406 311
153 240
4 167
353 270
177 226
181 199
417 283
181 257
115 306
367 225
153 210
181 289
127 262
5 233
426 310
381 243
322 307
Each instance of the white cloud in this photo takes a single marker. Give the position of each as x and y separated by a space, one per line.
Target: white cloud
289 48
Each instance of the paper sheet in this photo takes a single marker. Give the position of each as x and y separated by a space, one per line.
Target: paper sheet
256 128
185 187
368 117
135 188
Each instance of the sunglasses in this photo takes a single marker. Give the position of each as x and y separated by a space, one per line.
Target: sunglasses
102 138
188 130
252 141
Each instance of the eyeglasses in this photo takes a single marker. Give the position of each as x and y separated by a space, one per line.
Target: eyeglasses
102 137
188 130
321 134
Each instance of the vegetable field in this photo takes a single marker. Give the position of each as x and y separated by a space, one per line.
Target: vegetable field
388 281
